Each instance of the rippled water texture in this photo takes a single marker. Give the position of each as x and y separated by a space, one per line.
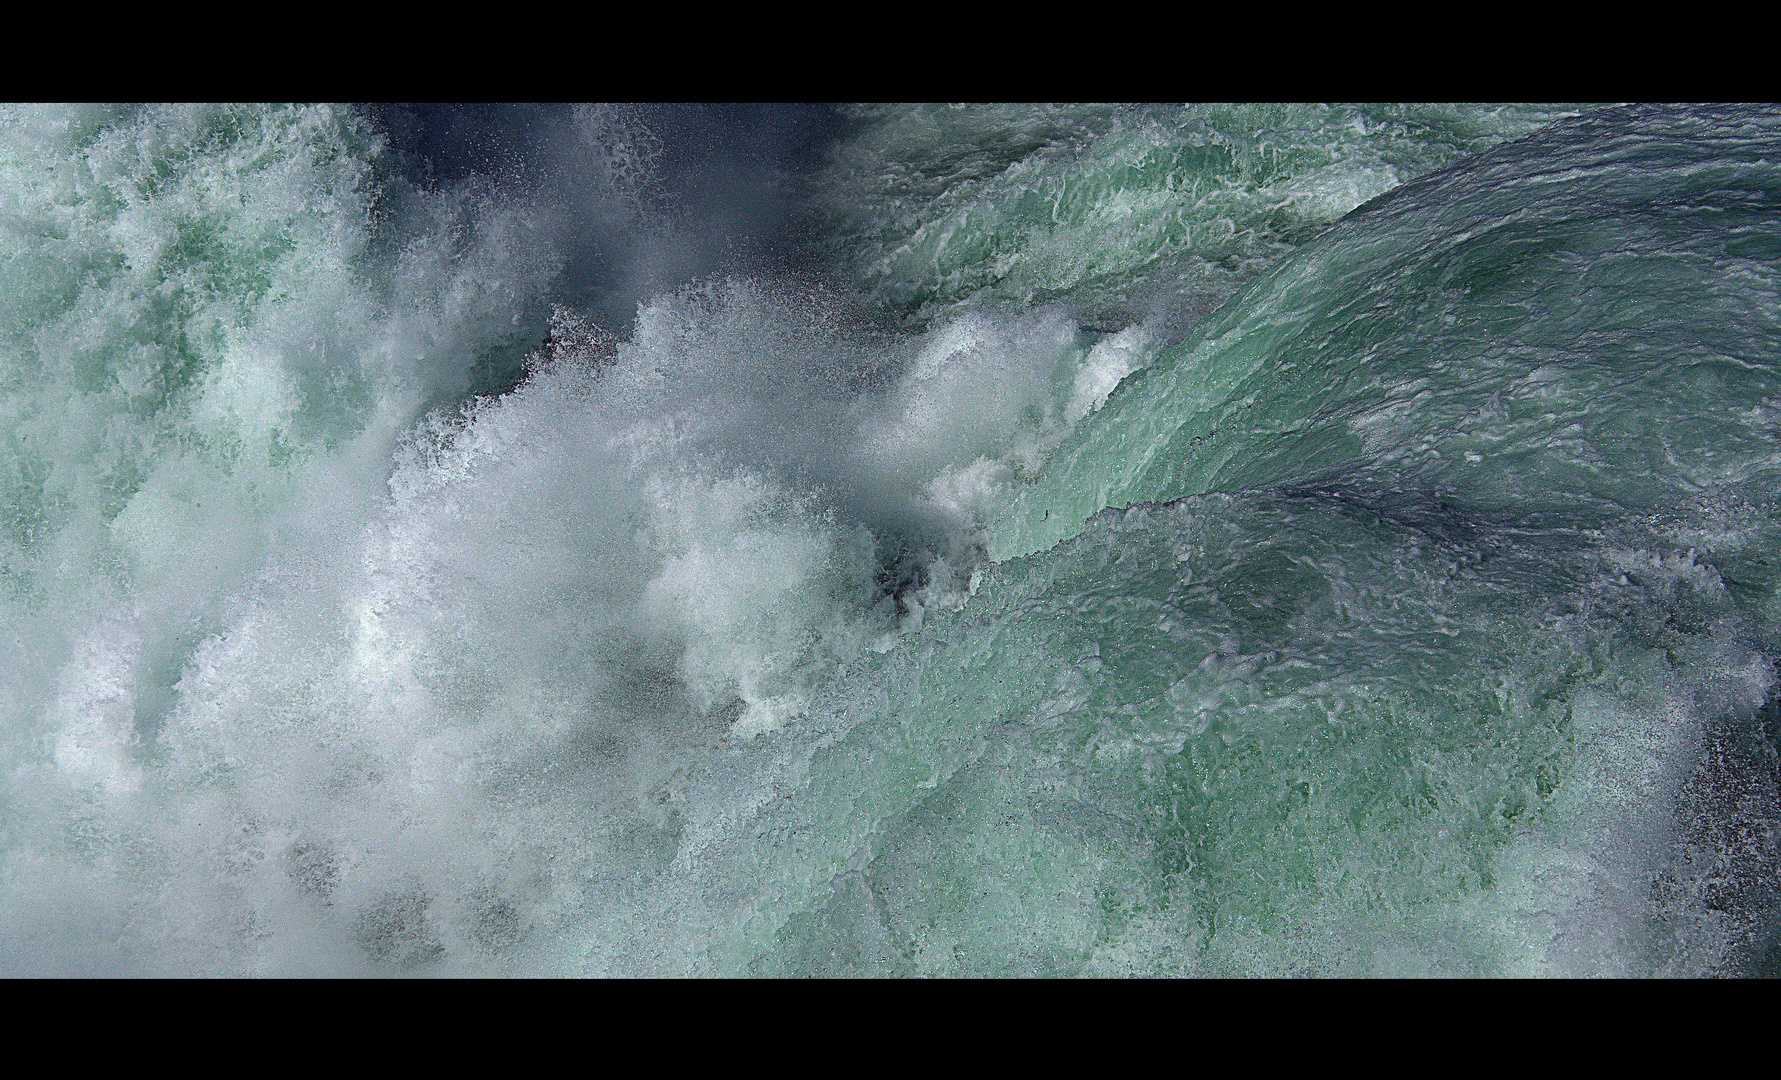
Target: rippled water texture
1200 540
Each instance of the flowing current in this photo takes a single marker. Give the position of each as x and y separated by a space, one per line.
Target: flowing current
1206 540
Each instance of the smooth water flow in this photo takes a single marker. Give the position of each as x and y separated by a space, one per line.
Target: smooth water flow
897 541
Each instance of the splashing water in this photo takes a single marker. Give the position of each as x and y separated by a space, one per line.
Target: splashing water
1094 541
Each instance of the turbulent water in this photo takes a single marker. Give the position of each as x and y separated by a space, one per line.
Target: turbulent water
890 541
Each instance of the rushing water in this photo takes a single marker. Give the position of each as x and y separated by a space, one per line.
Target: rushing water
926 541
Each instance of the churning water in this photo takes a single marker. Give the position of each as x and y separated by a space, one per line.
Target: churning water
931 541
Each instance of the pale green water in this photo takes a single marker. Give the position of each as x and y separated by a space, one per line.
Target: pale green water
786 630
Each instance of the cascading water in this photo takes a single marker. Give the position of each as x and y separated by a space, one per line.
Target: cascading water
933 541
